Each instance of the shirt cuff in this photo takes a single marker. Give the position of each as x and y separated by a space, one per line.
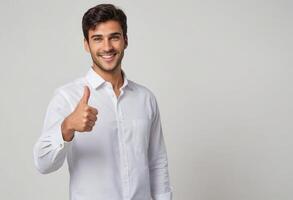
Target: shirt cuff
164 196
60 142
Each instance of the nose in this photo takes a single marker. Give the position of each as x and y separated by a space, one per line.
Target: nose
107 45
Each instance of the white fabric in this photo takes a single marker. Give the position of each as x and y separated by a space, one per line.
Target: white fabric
122 158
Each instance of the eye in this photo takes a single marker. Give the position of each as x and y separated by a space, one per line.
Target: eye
97 39
115 38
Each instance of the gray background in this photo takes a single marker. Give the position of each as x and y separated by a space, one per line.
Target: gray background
221 71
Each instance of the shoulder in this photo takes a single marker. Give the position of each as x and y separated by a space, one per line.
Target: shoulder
70 92
144 93
72 87
141 89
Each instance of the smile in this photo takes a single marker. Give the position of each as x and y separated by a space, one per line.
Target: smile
108 57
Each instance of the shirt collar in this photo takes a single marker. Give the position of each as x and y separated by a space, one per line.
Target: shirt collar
95 80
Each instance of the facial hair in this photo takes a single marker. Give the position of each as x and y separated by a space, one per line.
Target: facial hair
100 65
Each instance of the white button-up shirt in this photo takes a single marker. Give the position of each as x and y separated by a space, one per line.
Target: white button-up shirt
122 158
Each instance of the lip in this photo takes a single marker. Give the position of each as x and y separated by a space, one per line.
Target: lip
108 58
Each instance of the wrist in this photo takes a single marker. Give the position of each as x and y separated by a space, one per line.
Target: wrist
67 131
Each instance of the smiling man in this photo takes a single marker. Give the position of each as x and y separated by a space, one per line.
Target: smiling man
107 127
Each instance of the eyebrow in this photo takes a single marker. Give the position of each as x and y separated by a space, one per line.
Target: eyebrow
111 34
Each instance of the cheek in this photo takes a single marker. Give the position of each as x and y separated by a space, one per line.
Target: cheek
94 47
94 51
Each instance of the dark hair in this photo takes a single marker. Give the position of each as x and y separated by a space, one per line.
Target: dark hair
103 13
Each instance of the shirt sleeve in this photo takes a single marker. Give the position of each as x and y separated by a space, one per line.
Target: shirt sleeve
50 150
158 162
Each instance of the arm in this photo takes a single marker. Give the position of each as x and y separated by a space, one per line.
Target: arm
158 162
50 150
59 127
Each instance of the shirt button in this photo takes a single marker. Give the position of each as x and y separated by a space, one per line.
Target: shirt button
61 145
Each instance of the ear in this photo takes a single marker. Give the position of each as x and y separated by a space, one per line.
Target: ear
86 45
126 42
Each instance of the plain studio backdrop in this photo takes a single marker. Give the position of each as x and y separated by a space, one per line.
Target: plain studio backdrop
221 71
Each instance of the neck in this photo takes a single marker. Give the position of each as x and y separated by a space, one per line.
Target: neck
114 77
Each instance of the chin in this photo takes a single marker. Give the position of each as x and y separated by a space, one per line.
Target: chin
106 67
109 69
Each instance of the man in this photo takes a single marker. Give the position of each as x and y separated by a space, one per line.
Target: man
106 126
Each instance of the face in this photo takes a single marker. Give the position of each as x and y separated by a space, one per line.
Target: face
106 45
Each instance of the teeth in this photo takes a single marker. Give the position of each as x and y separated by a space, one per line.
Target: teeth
107 56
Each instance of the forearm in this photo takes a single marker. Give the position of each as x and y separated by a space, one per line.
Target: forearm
158 161
50 151
159 176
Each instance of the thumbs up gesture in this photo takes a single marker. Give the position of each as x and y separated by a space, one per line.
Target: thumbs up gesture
82 119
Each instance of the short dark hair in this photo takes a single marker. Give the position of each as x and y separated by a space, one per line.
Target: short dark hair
102 13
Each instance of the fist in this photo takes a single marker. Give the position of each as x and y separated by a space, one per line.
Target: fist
82 119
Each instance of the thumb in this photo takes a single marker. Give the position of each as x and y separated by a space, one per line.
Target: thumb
86 95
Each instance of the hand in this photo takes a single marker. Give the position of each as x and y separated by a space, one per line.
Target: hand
82 119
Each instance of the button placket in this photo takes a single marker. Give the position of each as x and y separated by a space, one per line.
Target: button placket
124 156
